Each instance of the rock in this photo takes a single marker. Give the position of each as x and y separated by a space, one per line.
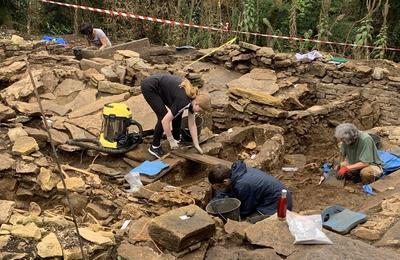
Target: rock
97 105
6 208
266 52
23 167
26 231
22 88
42 162
87 64
28 109
249 46
6 162
242 57
236 228
49 246
109 74
142 112
128 53
58 136
77 132
137 230
391 237
130 252
112 87
8 71
104 169
25 146
73 184
363 69
317 69
47 179
69 86
6 113
15 133
379 73
97 211
78 201
95 237
39 134
219 252
272 233
175 234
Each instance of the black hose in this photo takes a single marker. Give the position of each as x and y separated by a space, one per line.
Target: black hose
83 142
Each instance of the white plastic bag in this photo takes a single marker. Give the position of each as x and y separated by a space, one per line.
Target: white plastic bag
133 178
306 229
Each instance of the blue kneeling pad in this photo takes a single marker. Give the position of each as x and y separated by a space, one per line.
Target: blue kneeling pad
150 168
341 220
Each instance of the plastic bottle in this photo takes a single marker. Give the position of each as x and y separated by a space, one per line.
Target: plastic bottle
282 205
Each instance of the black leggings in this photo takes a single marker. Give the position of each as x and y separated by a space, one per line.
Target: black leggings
157 104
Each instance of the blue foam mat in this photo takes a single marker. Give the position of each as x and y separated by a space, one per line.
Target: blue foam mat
341 220
150 168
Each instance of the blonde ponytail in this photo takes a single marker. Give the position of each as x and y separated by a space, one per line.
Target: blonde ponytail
190 91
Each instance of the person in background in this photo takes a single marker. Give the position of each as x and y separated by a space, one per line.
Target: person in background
258 192
360 155
96 37
169 96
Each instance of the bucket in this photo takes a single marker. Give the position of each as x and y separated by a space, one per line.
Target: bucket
225 208
185 133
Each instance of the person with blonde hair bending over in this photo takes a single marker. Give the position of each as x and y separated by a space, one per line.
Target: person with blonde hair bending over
169 95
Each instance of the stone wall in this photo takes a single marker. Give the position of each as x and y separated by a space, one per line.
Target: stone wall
377 81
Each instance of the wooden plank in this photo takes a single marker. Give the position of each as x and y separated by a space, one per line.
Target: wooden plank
202 158
390 181
171 161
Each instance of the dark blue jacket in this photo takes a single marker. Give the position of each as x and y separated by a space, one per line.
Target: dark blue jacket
256 190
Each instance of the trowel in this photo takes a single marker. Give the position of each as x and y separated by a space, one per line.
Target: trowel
329 178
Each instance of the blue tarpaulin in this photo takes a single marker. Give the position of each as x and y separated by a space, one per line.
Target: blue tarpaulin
391 162
54 39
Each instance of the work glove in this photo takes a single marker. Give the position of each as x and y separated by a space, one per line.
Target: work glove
198 148
173 143
342 172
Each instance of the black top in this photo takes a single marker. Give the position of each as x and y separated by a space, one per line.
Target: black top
167 86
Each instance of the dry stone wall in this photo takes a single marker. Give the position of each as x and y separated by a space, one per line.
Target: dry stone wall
376 81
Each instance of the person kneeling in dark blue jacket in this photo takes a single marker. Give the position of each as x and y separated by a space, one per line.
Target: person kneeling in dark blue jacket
257 191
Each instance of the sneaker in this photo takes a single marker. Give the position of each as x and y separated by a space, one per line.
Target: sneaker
156 151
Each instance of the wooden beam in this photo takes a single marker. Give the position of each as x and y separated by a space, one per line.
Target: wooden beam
202 158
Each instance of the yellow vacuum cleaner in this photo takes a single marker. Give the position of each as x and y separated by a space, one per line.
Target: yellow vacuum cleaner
115 137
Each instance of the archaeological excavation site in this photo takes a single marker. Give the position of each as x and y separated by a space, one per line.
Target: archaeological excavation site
77 180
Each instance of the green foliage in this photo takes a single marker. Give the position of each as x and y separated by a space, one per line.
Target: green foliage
342 21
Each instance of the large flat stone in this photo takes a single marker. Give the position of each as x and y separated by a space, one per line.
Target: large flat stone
175 234
272 233
112 87
388 182
73 184
47 179
6 208
141 46
25 145
142 112
69 86
22 88
97 105
275 234
138 230
259 85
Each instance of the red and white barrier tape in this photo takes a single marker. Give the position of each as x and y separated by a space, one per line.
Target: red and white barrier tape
211 28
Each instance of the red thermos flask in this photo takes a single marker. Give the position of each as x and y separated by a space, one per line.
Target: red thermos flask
282 205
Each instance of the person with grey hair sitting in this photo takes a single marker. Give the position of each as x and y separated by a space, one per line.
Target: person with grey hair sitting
360 154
